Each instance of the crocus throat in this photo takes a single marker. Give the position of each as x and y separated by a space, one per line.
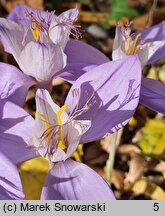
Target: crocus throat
130 47
39 26
53 136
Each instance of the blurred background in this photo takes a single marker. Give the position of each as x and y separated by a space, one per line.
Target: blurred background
138 167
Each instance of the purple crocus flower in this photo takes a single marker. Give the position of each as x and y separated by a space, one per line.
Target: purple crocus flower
97 104
149 45
40 44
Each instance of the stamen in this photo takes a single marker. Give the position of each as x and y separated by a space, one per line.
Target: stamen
61 143
72 27
133 46
130 48
53 135
35 32
47 125
127 46
88 104
39 26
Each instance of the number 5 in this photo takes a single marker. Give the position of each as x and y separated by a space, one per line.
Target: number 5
156 207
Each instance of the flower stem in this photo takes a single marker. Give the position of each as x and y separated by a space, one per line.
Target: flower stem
111 159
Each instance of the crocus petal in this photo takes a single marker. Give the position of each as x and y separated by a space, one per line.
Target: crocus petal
20 15
70 14
71 180
154 33
80 52
75 129
107 95
154 43
152 95
16 128
118 45
151 52
41 61
11 37
74 70
81 57
10 184
14 84
47 107
59 30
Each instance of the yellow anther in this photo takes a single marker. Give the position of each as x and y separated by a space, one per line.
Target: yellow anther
36 32
133 46
47 125
62 142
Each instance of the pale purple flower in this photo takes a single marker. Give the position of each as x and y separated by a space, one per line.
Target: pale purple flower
97 104
56 134
38 60
149 45
39 41
46 26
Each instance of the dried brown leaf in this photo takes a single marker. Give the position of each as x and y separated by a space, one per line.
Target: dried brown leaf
137 166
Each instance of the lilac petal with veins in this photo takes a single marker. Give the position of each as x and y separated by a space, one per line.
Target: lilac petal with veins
70 180
11 37
10 183
112 91
118 45
41 61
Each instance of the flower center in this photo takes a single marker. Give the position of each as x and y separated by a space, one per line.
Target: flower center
130 47
39 26
53 136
